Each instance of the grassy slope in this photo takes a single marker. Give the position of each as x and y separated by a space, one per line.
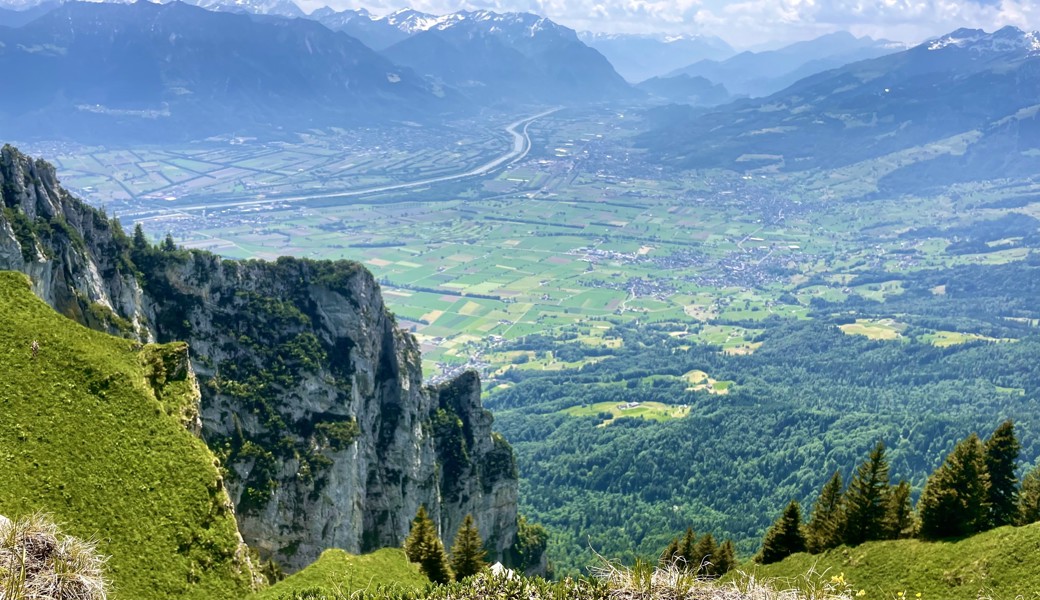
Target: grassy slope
1001 562
83 437
339 571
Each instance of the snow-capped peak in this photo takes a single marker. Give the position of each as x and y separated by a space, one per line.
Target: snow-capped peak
1008 39
413 21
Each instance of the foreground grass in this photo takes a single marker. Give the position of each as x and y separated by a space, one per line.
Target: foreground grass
1001 563
337 570
609 583
84 438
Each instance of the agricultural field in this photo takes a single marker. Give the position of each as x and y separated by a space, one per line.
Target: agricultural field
611 411
579 233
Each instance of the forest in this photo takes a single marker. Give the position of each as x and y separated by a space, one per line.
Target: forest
812 400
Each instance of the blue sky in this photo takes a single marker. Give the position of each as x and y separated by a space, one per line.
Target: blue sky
747 22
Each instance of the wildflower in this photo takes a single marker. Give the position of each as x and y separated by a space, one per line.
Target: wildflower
861 593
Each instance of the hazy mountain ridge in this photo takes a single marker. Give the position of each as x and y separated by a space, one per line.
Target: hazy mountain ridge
763 73
977 92
639 57
686 89
156 71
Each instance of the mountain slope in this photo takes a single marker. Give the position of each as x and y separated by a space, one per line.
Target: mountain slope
684 89
16 18
640 57
509 58
280 8
970 94
340 572
762 73
377 34
995 563
92 432
150 71
312 397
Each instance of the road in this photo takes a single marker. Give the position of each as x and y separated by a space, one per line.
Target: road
521 146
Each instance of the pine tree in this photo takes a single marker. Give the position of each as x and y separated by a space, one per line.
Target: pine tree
866 500
899 520
828 517
423 546
725 560
1029 498
955 501
784 538
1002 450
467 553
703 554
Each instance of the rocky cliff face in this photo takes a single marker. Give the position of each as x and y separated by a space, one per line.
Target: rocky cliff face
311 395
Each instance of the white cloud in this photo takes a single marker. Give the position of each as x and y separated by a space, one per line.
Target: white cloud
747 22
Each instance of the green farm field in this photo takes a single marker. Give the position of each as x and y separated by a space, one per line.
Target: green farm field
560 241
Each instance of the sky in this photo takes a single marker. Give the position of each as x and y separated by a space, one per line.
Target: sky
745 23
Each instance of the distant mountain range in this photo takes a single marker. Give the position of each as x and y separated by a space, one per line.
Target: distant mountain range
151 71
640 57
507 58
763 73
972 95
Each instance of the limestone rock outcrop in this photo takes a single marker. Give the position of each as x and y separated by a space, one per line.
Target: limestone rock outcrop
312 397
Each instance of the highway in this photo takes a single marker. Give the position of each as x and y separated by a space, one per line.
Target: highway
521 146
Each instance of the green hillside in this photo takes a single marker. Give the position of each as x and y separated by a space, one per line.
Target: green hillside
337 571
1000 563
91 433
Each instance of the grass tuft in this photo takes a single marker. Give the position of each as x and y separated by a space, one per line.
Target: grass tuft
37 561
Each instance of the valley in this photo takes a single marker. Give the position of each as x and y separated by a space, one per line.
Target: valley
568 294
581 257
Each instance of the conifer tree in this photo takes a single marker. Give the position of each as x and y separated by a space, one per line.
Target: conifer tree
899 521
467 553
725 559
671 551
784 538
1029 498
687 548
704 554
866 500
423 546
828 517
955 500
1002 450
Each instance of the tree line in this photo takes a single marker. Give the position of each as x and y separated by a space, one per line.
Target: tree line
975 489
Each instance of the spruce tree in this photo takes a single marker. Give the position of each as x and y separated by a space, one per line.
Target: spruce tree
725 560
1002 450
423 546
828 517
866 500
784 538
1029 498
671 551
955 500
704 554
467 553
899 521
687 548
